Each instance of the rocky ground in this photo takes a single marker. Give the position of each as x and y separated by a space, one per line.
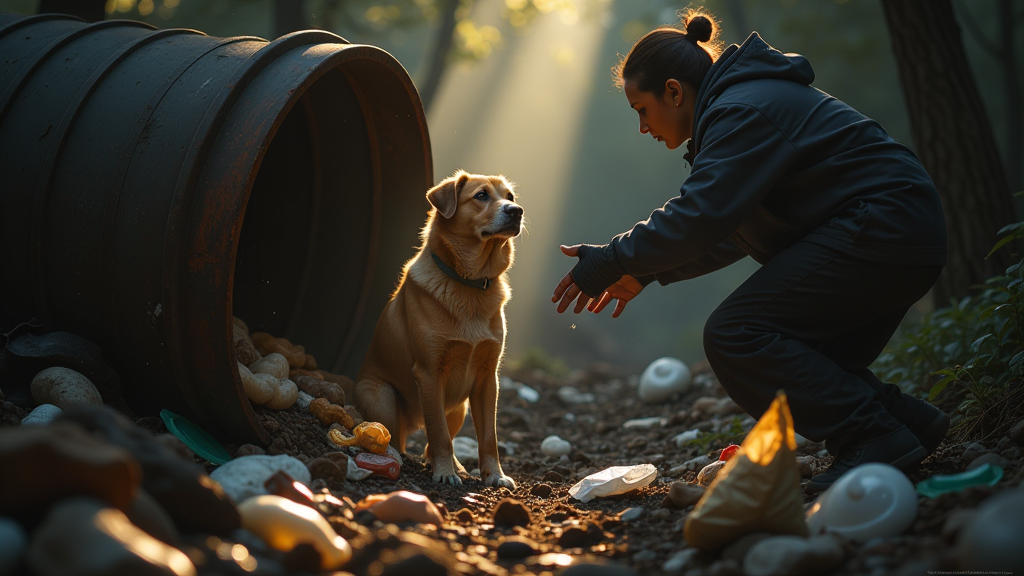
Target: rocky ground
538 528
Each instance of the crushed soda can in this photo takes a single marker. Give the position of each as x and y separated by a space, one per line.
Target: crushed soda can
385 466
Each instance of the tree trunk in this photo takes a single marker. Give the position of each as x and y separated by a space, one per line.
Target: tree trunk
439 59
953 138
1011 76
88 10
288 17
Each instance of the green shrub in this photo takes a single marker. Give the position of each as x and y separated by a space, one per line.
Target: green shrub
969 357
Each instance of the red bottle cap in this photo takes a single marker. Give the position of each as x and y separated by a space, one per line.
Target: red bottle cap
729 451
379 464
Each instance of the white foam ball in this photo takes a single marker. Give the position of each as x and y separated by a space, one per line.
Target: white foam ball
663 378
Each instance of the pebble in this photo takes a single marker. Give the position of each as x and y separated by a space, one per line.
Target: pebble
332 467
645 556
711 406
680 560
991 541
684 438
682 494
274 364
572 395
787 555
696 464
181 486
541 490
510 512
466 449
708 473
737 551
13 543
644 423
284 524
630 514
42 464
553 476
303 400
1011 453
243 478
42 414
989 458
972 452
515 547
663 378
245 352
64 387
806 465
555 446
83 536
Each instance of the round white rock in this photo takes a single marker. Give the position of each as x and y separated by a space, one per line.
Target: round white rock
663 378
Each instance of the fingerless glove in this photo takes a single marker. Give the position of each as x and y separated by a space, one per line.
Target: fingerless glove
597 269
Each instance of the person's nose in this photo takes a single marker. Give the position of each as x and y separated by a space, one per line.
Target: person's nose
513 210
644 128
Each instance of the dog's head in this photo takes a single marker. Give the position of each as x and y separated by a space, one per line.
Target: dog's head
477 205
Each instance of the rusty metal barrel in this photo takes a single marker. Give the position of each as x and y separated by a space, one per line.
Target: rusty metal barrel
155 183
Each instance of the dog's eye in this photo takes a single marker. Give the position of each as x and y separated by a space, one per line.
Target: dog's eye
511 196
481 195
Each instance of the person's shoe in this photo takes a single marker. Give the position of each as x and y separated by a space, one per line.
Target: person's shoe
899 448
930 425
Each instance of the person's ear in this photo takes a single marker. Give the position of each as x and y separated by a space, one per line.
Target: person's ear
674 91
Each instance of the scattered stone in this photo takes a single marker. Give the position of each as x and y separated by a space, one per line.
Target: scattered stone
572 395
806 465
83 536
680 560
42 464
13 544
146 513
303 400
789 555
708 473
245 352
332 467
989 458
181 486
645 556
710 406
268 344
631 514
574 537
644 423
466 449
1011 453
682 494
64 387
696 464
249 450
42 414
243 477
274 364
555 446
737 551
663 378
464 515
511 512
554 476
356 416
972 452
541 490
328 413
515 547
332 391
991 541
686 437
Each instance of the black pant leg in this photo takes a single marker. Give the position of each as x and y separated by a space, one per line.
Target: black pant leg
774 333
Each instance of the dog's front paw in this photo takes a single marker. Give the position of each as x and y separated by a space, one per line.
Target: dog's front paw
449 479
500 480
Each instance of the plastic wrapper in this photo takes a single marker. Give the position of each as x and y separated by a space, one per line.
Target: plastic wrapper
614 480
758 489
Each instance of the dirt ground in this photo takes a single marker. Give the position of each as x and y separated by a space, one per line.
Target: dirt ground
562 530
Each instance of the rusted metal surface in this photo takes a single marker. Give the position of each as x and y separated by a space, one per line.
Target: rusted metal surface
155 183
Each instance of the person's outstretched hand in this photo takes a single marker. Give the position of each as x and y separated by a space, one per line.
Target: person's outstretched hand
624 290
567 291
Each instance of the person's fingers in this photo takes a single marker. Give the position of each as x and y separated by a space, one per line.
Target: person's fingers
567 298
570 250
581 303
602 303
594 302
619 307
563 285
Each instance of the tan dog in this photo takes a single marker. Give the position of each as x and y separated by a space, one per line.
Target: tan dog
439 341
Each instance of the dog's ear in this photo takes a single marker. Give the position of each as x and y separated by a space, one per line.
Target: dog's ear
445 196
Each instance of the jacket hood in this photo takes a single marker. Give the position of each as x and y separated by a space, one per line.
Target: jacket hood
753 60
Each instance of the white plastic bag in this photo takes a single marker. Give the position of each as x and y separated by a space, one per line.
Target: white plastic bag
614 480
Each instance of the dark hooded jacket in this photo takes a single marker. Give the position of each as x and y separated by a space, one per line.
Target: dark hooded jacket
777 161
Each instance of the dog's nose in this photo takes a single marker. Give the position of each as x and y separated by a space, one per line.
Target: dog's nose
513 210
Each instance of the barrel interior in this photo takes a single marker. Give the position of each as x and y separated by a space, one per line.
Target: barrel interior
305 242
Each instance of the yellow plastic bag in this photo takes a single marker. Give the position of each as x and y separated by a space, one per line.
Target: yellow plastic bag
758 490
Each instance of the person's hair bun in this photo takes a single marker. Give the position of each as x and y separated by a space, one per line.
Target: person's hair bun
700 28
